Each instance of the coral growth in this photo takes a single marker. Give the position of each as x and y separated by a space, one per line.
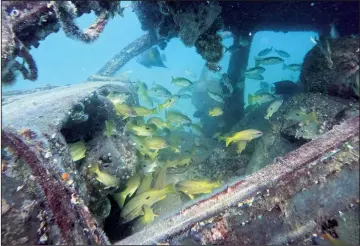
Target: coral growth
332 67
194 23
67 12
72 221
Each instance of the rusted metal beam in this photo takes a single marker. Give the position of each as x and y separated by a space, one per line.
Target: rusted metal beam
284 168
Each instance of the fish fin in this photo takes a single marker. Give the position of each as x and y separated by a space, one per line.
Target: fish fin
228 140
250 99
313 117
267 117
191 196
160 107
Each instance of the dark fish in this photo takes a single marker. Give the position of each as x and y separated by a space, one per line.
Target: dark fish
232 49
282 53
285 87
264 52
151 58
255 76
198 114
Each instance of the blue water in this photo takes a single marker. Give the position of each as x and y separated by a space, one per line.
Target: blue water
63 61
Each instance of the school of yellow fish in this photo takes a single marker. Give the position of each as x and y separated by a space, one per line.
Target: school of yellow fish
152 136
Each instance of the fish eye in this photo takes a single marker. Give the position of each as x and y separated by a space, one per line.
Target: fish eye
297 114
144 165
14 13
170 100
141 146
147 128
147 198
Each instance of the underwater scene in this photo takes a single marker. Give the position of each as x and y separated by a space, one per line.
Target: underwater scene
180 122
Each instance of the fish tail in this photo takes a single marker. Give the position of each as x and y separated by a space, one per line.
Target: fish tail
226 49
217 184
170 188
121 199
284 66
313 116
257 61
250 99
228 140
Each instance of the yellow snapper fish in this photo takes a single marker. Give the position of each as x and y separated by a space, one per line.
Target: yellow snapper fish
180 81
217 97
245 135
159 91
158 123
177 118
142 111
273 107
148 216
145 184
103 177
143 130
133 208
124 110
131 186
197 128
77 150
193 187
116 98
241 145
169 102
217 111
260 98
143 94
302 116
110 128
184 160
139 145
156 143
160 180
271 60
